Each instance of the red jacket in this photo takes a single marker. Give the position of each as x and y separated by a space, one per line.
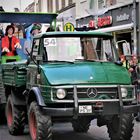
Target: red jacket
5 43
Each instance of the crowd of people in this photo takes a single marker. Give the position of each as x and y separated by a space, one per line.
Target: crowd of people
10 41
131 66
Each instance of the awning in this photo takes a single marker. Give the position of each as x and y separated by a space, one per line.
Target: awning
116 28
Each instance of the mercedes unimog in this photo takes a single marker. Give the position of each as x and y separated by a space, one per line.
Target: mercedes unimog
74 77
69 77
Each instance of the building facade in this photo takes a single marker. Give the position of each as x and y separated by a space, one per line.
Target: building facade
54 5
121 18
65 9
95 7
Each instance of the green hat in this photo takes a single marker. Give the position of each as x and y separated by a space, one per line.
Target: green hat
34 28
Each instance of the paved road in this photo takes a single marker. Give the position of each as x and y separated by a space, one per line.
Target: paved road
65 132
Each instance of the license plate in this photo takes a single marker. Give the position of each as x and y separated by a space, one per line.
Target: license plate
85 109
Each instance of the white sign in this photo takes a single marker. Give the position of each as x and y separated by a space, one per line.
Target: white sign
85 109
49 42
122 17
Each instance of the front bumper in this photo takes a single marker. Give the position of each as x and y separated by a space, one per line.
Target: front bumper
103 107
106 109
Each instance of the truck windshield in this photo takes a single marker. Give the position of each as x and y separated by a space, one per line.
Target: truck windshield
76 48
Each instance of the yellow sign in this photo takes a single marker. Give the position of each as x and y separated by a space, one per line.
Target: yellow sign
69 27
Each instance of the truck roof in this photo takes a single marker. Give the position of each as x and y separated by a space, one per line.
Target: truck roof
74 34
19 17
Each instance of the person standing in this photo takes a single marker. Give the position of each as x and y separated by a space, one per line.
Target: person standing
125 63
132 69
36 29
135 79
10 42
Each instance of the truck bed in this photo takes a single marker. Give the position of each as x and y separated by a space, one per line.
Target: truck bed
14 73
2 94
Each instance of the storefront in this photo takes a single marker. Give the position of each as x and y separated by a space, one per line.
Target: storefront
118 21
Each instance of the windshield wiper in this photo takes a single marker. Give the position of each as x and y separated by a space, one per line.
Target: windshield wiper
90 60
53 61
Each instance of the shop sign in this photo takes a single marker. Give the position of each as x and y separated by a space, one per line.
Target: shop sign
122 17
100 22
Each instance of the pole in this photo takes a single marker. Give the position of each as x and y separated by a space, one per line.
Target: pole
135 28
20 5
35 7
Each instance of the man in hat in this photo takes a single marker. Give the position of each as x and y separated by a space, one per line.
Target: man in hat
36 29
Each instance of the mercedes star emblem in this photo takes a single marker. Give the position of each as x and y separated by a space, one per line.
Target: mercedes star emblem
91 92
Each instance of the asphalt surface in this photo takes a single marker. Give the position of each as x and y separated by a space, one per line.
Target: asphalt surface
64 131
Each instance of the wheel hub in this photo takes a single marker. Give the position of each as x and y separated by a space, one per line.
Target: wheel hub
10 115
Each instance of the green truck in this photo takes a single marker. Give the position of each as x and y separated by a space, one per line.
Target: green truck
70 77
23 20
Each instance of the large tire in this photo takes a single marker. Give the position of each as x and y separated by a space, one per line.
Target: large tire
121 129
39 124
15 118
138 117
81 125
2 114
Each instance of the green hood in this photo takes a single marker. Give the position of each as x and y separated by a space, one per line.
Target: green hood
85 73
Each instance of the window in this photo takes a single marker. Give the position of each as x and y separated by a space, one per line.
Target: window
57 5
83 1
101 4
39 5
50 6
110 2
70 2
63 3
35 48
73 48
62 49
92 4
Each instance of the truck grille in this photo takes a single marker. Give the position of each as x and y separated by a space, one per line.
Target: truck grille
101 93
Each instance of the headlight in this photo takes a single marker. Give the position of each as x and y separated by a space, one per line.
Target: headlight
124 92
61 93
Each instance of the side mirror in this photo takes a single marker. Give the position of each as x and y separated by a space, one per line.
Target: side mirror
125 47
119 63
28 60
